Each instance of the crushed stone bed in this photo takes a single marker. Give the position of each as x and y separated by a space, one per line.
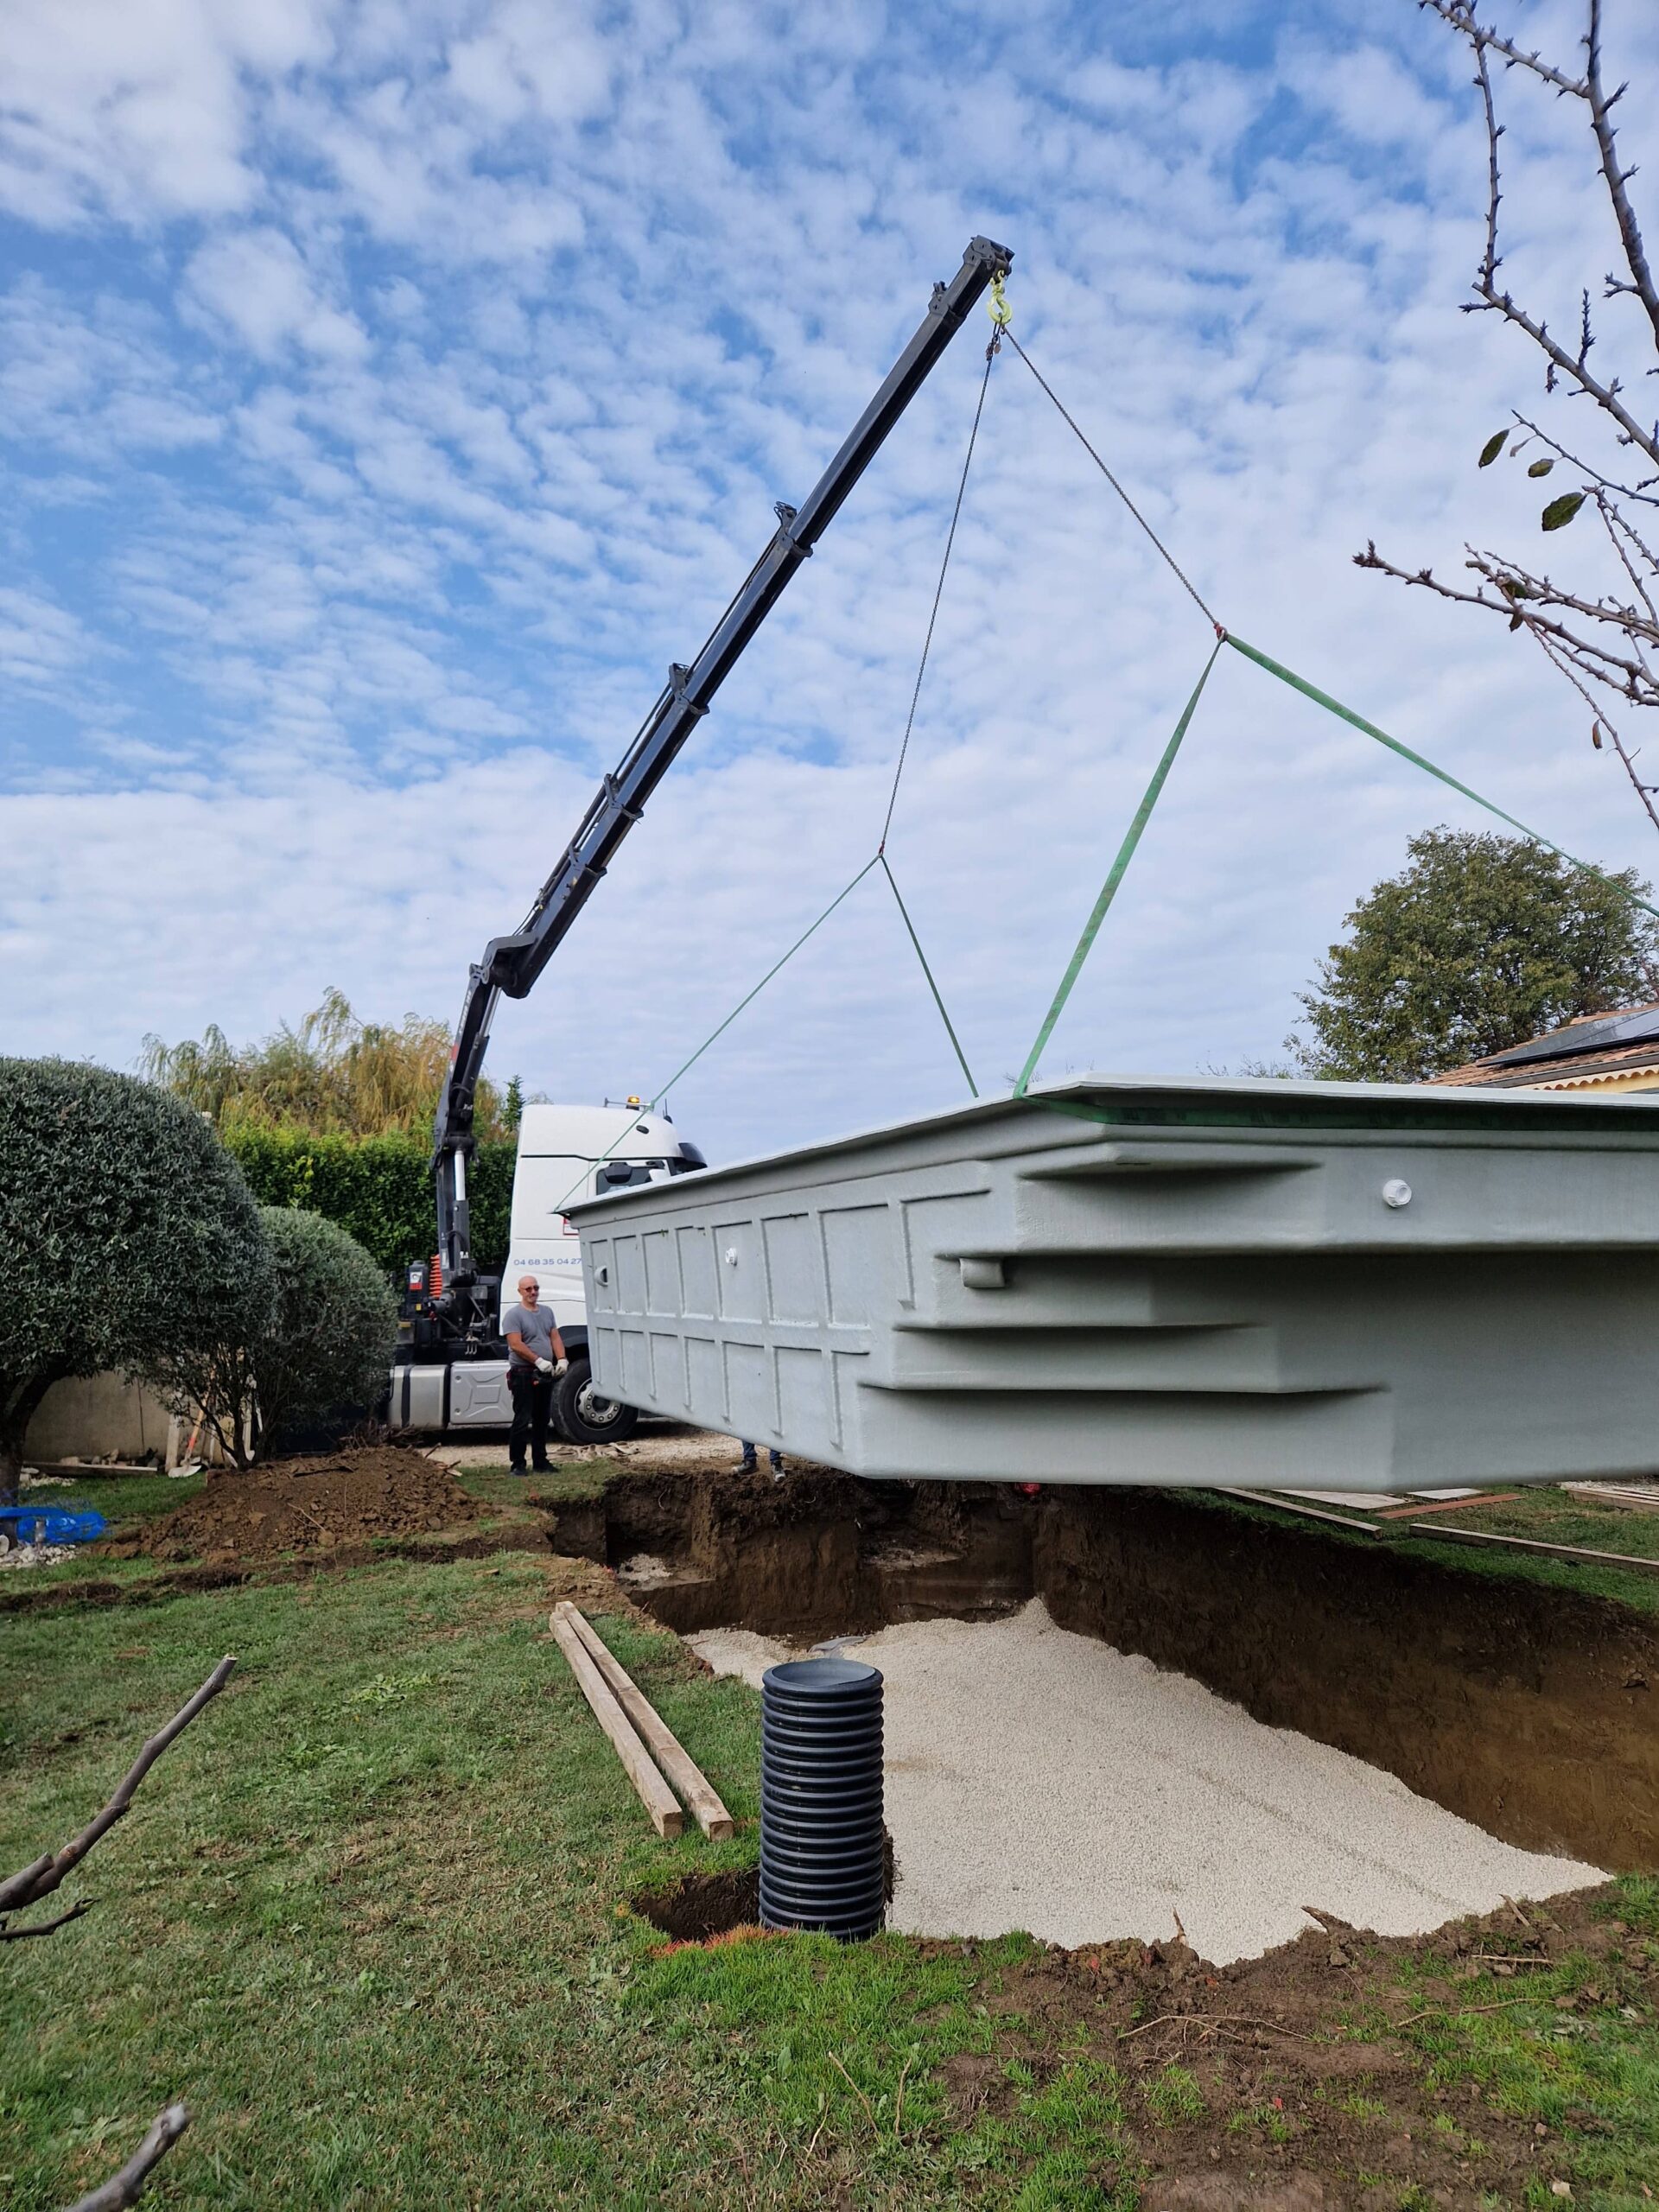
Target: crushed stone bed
1037 1779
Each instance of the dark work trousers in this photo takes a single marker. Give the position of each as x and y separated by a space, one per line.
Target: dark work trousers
532 1405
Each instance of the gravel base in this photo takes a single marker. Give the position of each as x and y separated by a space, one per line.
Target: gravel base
1040 1780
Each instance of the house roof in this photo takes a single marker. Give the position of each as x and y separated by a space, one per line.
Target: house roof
1619 1049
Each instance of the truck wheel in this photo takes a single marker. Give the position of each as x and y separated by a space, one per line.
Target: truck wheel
585 1417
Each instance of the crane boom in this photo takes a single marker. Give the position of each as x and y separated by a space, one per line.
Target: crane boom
511 965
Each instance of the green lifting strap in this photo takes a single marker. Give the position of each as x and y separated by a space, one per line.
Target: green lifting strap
748 998
1347 714
950 1026
1119 868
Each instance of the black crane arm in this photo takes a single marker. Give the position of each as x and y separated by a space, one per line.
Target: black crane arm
511 965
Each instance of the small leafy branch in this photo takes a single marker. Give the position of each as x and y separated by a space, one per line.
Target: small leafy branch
1603 642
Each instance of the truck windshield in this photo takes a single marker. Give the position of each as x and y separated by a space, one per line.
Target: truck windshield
622 1174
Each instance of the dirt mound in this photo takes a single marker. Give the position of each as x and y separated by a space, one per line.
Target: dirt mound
316 1504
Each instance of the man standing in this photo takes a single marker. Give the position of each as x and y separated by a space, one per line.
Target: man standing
535 1356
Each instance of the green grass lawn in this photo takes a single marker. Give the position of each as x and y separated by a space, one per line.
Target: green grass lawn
369 1918
1543 1513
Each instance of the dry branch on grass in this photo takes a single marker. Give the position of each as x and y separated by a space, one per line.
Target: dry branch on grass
42 1875
127 2186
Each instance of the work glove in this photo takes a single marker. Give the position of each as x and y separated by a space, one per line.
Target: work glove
560 1369
545 1366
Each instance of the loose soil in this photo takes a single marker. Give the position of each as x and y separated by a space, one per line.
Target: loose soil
1270 2084
303 1505
1527 1710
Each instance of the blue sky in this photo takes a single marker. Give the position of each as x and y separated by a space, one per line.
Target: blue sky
388 393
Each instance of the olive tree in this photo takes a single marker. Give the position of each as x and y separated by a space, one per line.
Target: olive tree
128 1233
322 1339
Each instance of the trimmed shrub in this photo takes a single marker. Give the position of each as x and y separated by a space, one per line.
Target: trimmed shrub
129 1234
323 1341
378 1189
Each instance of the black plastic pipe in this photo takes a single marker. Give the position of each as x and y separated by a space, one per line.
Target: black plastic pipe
822 1846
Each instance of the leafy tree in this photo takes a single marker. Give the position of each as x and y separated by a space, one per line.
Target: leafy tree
333 1075
322 1339
129 1234
1598 624
1480 942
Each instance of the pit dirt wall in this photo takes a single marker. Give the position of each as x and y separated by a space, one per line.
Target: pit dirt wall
1524 1709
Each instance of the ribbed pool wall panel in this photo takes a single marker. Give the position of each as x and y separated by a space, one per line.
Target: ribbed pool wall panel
1220 1282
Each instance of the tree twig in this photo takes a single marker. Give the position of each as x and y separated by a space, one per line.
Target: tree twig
869 2109
899 2103
38 1879
46 1927
1629 235
1461 15
127 2186
1632 676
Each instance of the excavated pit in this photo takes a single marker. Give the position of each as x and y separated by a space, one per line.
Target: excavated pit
1523 1709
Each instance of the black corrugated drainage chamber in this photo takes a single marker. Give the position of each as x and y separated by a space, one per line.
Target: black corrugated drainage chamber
822 1840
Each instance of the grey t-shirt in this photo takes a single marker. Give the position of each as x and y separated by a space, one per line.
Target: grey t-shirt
536 1327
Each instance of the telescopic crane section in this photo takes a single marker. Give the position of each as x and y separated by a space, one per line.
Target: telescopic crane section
511 965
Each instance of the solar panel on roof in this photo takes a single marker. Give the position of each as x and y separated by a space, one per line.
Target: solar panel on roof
1585 1036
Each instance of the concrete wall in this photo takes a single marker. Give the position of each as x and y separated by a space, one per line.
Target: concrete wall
90 1417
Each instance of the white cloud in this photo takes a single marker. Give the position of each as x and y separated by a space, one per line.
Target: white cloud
522 321
38 640
138 110
255 281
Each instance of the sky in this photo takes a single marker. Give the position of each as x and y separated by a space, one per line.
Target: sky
389 393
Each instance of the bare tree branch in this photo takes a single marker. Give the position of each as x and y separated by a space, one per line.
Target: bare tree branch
1605 395
1487 295
1621 537
1460 15
1643 491
1629 675
1629 234
46 1927
39 1879
1627 760
127 2186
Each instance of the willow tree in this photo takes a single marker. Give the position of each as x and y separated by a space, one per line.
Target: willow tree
331 1075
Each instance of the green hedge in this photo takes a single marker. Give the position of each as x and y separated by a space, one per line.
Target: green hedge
377 1189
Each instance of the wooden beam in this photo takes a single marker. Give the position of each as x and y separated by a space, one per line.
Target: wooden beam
1304 1512
1450 1505
1620 1560
654 1793
669 1754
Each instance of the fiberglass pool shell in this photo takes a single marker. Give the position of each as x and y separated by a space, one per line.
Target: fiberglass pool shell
1194 1282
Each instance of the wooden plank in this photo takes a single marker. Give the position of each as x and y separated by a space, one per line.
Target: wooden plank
1632 1497
665 1748
1453 1504
1305 1512
654 1793
1532 1544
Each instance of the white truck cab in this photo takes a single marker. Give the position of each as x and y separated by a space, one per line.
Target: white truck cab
565 1153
